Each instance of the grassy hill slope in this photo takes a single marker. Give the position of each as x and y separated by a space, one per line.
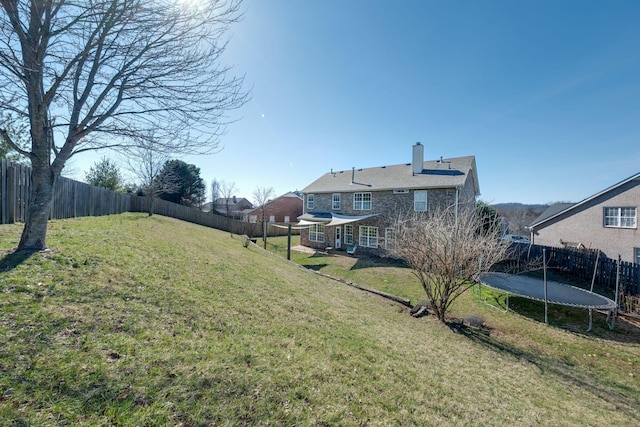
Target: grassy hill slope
136 320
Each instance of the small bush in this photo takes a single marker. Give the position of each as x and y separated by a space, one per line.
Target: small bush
474 320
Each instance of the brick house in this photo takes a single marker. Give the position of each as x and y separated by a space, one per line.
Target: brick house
233 207
607 221
284 209
354 207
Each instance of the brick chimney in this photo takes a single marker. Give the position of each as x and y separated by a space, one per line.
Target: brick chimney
417 164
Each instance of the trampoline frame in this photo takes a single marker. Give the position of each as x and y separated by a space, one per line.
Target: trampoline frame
610 310
610 306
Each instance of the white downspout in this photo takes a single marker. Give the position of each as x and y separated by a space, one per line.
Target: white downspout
457 201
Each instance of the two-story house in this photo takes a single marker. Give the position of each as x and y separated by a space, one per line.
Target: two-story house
283 209
607 221
356 206
233 207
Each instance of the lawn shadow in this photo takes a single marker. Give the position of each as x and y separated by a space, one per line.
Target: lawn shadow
13 259
605 390
315 267
320 254
369 261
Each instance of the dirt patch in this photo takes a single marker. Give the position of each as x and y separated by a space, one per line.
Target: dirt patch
305 249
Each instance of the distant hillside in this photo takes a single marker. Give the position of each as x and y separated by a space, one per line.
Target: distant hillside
519 215
519 206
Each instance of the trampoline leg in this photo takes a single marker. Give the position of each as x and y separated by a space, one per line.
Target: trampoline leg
611 319
590 320
507 309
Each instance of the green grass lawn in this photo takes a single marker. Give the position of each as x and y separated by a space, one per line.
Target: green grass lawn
137 320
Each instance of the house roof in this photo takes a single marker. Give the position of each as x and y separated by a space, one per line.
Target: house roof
222 201
436 174
289 195
549 214
552 210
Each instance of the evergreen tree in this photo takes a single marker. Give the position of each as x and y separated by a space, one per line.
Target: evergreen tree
182 183
106 174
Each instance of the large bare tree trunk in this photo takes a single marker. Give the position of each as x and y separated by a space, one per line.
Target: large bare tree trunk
35 228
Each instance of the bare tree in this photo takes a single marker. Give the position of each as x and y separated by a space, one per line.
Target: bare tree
262 195
228 189
97 74
518 216
145 163
446 250
215 194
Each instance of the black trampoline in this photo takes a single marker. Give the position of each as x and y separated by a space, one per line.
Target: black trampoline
557 293
553 292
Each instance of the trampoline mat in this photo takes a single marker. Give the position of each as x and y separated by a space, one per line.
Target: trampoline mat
557 293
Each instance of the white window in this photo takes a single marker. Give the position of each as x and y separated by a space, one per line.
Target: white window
389 238
620 217
310 201
253 219
335 201
316 233
362 201
368 236
272 218
420 200
287 218
348 234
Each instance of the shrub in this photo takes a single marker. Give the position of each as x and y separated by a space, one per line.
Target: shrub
474 320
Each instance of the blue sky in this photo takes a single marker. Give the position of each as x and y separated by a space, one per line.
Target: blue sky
545 94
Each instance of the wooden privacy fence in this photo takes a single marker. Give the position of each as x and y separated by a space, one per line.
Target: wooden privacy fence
75 199
583 264
15 180
196 216
70 198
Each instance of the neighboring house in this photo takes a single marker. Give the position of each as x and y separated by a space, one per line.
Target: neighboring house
607 221
284 209
356 207
234 207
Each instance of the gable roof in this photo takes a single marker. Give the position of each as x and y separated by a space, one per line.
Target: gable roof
551 211
561 210
289 195
222 202
436 174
